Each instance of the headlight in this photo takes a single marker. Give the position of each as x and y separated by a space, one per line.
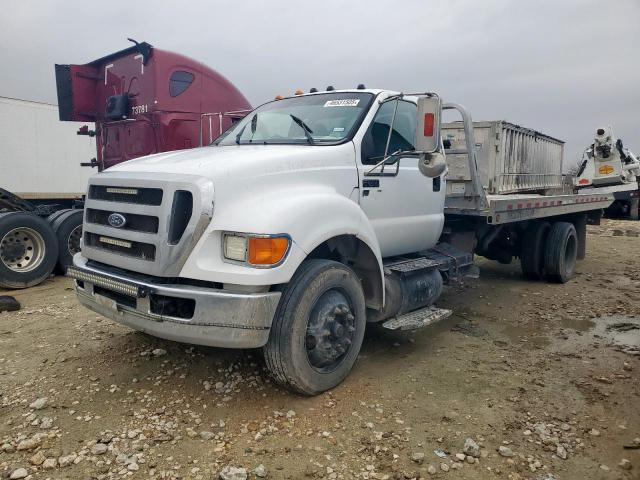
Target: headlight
235 248
256 250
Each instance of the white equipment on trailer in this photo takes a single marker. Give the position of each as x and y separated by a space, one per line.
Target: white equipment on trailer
608 164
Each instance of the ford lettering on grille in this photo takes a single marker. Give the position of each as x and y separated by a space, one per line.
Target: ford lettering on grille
117 220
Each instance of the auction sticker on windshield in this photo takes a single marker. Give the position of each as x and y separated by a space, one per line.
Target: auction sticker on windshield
345 102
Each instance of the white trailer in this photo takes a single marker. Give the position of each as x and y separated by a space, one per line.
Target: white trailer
40 155
41 185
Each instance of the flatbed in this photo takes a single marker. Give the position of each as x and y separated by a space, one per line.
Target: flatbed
503 209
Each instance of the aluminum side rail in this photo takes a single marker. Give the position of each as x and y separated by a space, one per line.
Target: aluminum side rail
514 208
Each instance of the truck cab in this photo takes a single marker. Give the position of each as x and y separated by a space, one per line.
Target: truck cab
309 217
145 100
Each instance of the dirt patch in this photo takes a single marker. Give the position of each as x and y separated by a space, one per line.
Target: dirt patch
535 374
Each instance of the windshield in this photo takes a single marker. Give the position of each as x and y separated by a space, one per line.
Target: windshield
323 119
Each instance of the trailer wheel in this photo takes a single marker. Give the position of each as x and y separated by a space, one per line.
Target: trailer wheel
28 250
68 228
52 218
318 328
533 249
561 252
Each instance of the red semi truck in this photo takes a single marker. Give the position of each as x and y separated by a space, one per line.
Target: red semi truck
142 100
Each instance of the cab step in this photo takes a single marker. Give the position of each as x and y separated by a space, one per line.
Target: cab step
417 319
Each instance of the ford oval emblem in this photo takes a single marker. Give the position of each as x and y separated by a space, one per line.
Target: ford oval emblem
117 220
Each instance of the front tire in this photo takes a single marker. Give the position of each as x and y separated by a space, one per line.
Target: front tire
318 328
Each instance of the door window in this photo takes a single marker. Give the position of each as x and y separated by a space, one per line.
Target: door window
402 134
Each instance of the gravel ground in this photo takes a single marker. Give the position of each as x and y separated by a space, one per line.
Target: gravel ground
525 380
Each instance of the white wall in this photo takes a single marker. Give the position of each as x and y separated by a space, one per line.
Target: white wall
39 154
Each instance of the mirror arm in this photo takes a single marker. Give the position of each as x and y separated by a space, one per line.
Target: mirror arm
393 121
381 162
384 160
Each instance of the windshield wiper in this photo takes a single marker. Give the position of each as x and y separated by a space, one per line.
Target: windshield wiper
253 122
305 128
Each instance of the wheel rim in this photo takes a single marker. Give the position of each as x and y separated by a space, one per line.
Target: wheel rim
330 331
22 249
73 241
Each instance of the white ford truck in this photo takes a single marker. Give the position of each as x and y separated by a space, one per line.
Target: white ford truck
316 214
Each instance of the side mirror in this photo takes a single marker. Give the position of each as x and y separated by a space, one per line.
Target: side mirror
432 164
428 124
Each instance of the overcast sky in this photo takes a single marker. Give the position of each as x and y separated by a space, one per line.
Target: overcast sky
562 67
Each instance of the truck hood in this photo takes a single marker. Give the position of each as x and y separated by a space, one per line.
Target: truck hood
237 162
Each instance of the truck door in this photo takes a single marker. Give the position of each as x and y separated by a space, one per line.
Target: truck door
406 210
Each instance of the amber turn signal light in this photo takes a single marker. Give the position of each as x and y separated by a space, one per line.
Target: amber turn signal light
267 250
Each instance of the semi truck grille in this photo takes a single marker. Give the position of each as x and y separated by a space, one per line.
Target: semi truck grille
143 251
133 221
142 196
147 223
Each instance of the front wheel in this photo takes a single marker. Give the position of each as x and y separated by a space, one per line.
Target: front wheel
318 328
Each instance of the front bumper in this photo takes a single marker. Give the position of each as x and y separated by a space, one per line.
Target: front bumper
219 319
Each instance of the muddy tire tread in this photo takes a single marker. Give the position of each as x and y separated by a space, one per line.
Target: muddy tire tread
275 356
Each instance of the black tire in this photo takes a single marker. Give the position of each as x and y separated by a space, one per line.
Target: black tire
28 250
561 252
318 291
52 218
532 249
68 228
634 209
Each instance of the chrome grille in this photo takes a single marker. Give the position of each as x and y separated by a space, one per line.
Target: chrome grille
143 251
138 223
143 196
150 237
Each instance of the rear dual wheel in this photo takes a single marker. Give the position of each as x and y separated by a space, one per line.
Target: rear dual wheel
533 249
318 328
549 251
561 252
